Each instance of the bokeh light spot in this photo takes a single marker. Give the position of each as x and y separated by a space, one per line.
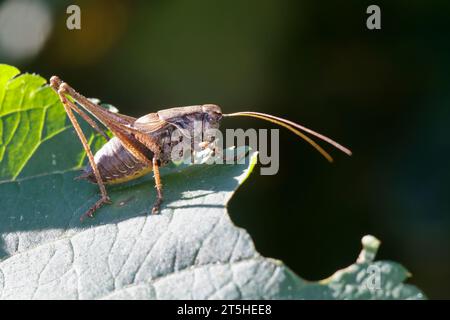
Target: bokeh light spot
24 27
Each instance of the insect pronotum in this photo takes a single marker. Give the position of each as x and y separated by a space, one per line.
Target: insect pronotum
141 145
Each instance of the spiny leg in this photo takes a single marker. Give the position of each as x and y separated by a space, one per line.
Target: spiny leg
158 186
120 130
68 105
119 124
56 83
151 163
92 123
97 111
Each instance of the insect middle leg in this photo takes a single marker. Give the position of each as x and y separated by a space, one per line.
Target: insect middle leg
151 163
69 106
158 186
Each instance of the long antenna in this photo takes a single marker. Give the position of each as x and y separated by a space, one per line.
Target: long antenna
296 129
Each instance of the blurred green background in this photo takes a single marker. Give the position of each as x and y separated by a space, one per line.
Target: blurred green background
383 93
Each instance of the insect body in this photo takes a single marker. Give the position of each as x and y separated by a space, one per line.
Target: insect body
140 146
116 164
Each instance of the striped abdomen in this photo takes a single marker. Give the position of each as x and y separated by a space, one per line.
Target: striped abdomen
116 164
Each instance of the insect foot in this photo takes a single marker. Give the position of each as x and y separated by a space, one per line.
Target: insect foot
156 205
95 207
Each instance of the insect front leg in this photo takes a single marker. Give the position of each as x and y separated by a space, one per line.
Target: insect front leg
68 106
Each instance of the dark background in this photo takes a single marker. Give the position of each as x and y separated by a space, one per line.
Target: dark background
384 93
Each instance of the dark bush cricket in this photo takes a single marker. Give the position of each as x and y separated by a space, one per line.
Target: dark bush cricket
141 145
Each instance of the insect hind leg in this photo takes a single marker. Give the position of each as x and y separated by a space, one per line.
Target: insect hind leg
61 89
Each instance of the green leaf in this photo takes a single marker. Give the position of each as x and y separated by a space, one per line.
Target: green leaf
191 250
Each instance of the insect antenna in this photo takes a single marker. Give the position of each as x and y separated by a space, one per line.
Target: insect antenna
296 129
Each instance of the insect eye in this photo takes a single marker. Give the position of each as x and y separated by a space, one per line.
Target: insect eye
213 117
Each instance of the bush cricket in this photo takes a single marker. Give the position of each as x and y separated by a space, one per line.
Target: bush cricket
141 145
